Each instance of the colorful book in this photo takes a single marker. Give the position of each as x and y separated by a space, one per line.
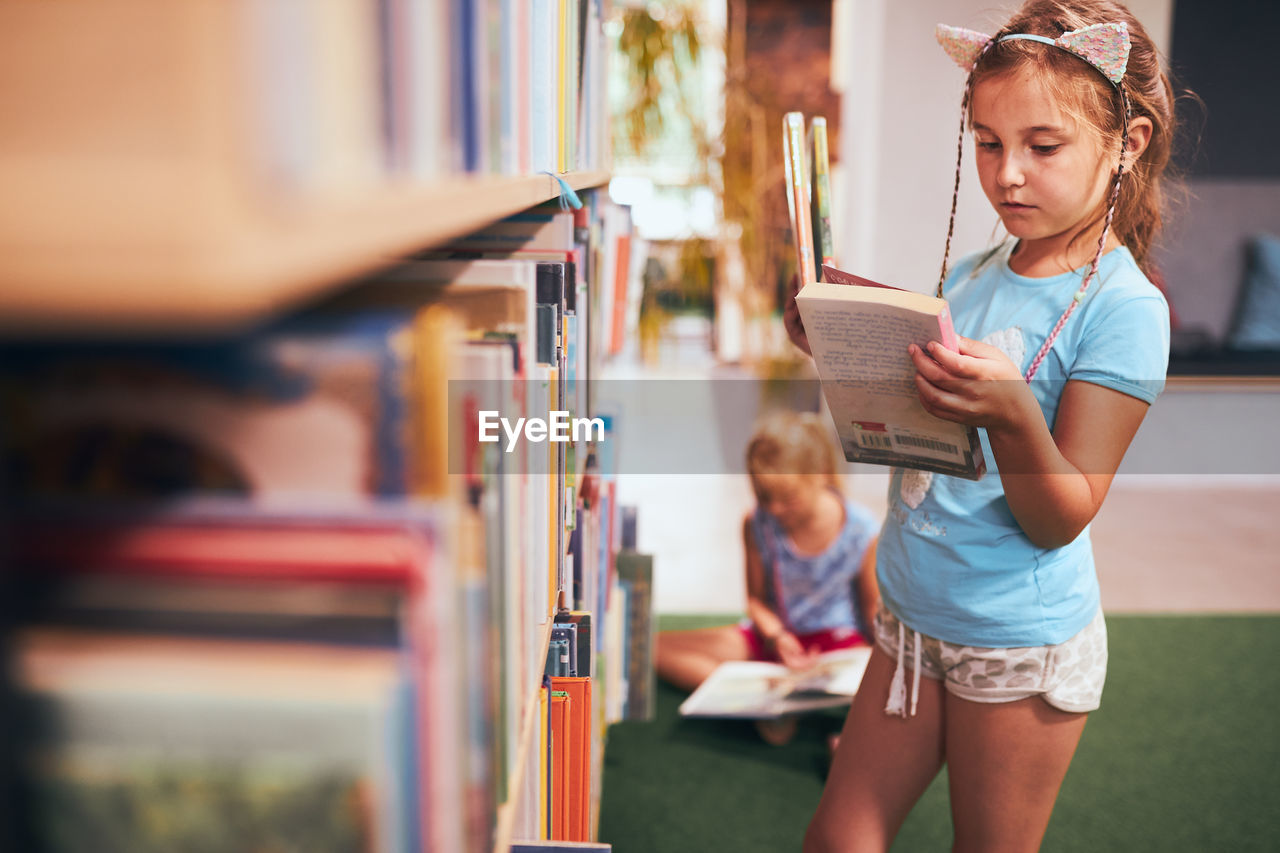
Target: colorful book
823 242
566 634
798 194
237 417
153 743
561 763
544 757
581 622
578 721
636 571
558 657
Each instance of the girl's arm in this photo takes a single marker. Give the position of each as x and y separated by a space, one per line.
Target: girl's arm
767 621
1054 481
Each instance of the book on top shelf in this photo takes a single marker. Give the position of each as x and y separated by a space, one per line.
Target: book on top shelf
799 193
859 331
763 690
820 209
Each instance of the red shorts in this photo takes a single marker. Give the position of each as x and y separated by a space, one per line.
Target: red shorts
819 641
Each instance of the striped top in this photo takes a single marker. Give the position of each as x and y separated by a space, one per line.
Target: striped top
815 592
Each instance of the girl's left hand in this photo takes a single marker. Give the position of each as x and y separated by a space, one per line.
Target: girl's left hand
978 386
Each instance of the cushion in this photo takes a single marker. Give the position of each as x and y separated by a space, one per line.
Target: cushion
1257 319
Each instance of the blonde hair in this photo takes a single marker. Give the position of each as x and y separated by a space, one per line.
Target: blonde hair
1084 94
787 442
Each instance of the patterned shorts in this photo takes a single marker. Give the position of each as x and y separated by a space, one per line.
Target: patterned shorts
1068 675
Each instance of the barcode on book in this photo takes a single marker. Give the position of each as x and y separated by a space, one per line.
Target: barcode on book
892 444
928 444
874 440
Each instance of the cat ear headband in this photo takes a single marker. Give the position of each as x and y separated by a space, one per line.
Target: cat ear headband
1104 46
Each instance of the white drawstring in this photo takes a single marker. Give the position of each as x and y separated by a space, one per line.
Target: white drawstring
897 703
915 677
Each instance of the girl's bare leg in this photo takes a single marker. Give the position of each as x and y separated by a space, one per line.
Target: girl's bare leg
686 658
1005 763
881 767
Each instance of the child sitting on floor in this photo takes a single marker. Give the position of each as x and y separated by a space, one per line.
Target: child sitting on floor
810 564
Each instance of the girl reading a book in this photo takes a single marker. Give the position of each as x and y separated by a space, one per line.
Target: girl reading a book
810 553
990 645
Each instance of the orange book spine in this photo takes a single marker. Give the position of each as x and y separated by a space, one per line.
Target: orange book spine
579 769
544 759
622 272
553 503
560 764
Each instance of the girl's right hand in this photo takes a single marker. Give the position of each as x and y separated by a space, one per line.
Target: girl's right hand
793 654
791 319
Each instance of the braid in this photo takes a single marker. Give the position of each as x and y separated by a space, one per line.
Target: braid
1102 244
955 190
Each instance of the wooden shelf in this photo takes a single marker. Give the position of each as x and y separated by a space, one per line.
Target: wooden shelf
146 190
231 262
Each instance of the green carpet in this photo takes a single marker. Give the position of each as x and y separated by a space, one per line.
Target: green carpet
1184 755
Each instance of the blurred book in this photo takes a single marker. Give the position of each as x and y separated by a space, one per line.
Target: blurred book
799 194
191 743
575 728
164 587
824 251
247 416
635 576
762 690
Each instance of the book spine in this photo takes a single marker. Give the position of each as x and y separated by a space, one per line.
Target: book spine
824 243
636 570
798 195
947 330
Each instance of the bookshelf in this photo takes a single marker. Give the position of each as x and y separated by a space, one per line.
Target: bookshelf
208 173
221 268
207 163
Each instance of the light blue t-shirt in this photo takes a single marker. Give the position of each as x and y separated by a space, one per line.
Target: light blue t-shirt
953 562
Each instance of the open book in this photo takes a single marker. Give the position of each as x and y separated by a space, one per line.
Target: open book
858 331
761 690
